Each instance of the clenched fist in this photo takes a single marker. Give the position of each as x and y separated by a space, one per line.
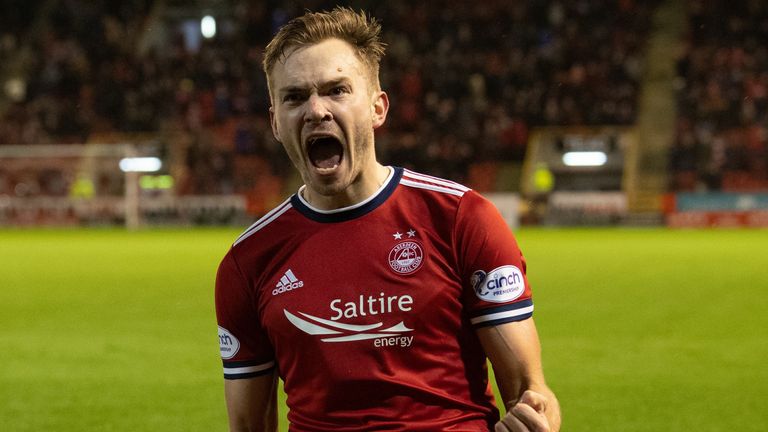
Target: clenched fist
529 414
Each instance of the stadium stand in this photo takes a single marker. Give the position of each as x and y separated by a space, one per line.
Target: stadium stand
467 81
721 136
15 18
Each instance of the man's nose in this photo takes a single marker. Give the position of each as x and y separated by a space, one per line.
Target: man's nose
316 110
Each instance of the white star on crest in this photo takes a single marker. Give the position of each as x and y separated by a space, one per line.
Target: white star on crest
411 233
397 236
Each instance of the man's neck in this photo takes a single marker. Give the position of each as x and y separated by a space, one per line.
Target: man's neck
361 189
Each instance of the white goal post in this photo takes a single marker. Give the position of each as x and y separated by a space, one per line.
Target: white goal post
98 184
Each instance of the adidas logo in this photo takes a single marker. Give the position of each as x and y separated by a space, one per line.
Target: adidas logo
287 283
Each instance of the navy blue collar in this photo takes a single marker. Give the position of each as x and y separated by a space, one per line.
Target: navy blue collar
351 212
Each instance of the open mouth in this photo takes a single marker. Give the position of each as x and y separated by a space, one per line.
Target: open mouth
325 152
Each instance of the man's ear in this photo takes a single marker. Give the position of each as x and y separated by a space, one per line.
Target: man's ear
379 109
273 122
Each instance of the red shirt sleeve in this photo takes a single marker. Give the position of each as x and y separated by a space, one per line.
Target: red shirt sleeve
493 270
245 348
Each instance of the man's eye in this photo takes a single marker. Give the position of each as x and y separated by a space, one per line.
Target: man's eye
336 91
291 97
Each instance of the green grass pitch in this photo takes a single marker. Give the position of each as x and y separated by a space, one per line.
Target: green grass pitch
642 329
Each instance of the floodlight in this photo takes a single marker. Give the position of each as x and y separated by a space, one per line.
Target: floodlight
208 26
585 158
140 164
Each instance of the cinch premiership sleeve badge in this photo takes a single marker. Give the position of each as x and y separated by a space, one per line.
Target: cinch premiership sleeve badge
500 285
228 344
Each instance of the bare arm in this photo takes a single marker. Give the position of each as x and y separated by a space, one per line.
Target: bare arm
252 403
515 354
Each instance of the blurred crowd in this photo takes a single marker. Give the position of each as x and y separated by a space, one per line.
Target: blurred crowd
721 138
16 17
467 80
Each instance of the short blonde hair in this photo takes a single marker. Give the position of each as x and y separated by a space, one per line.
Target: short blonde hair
358 29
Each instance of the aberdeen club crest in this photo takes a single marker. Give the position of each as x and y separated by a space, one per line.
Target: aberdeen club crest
406 257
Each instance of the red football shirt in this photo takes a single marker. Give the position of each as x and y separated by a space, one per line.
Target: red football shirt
369 312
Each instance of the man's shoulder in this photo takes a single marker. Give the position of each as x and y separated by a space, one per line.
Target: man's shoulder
448 195
431 185
267 226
